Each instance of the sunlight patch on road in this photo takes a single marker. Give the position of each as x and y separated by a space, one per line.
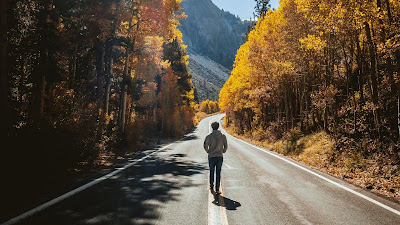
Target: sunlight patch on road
321 177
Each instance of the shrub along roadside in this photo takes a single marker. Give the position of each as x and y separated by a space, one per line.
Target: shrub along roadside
205 109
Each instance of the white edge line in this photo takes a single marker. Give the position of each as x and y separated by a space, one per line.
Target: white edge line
324 178
229 167
79 189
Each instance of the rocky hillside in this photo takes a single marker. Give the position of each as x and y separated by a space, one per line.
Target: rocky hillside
211 35
208 76
212 32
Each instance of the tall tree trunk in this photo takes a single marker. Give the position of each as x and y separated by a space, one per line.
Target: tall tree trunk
307 112
360 72
41 72
389 65
391 68
100 67
348 71
354 114
291 109
389 11
124 90
110 66
397 57
42 83
296 111
4 107
72 69
90 73
326 84
123 106
398 98
108 85
373 75
381 27
301 103
286 108
325 118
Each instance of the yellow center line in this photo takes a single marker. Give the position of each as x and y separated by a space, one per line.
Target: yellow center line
211 208
216 211
222 208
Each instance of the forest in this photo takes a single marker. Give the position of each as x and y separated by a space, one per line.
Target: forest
322 65
87 80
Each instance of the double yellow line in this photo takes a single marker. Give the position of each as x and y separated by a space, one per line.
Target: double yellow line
216 210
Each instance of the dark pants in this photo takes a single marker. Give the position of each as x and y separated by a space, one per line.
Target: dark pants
215 165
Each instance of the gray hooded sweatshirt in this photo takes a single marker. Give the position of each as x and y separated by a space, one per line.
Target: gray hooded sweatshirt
215 144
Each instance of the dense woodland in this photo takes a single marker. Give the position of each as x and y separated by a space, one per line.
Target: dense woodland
209 107
318 65
82 79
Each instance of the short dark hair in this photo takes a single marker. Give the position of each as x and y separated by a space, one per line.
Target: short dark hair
215 125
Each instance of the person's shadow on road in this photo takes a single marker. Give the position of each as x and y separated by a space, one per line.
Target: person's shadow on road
223 201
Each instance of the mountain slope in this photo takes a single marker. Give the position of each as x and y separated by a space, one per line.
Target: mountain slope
213 37
212 32
208 76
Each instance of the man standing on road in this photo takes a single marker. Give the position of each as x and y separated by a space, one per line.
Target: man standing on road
215 145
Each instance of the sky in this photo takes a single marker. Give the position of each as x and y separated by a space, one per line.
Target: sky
242 8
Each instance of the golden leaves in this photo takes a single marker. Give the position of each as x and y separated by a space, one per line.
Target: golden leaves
312 42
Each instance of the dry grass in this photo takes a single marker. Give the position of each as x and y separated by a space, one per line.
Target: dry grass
317 148
201 115
198 117
314 149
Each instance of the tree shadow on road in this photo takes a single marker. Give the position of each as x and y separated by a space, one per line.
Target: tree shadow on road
133 196
191 137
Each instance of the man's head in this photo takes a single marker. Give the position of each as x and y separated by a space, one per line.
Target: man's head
215 125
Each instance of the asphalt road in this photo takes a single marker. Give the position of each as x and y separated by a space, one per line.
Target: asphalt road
169 185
